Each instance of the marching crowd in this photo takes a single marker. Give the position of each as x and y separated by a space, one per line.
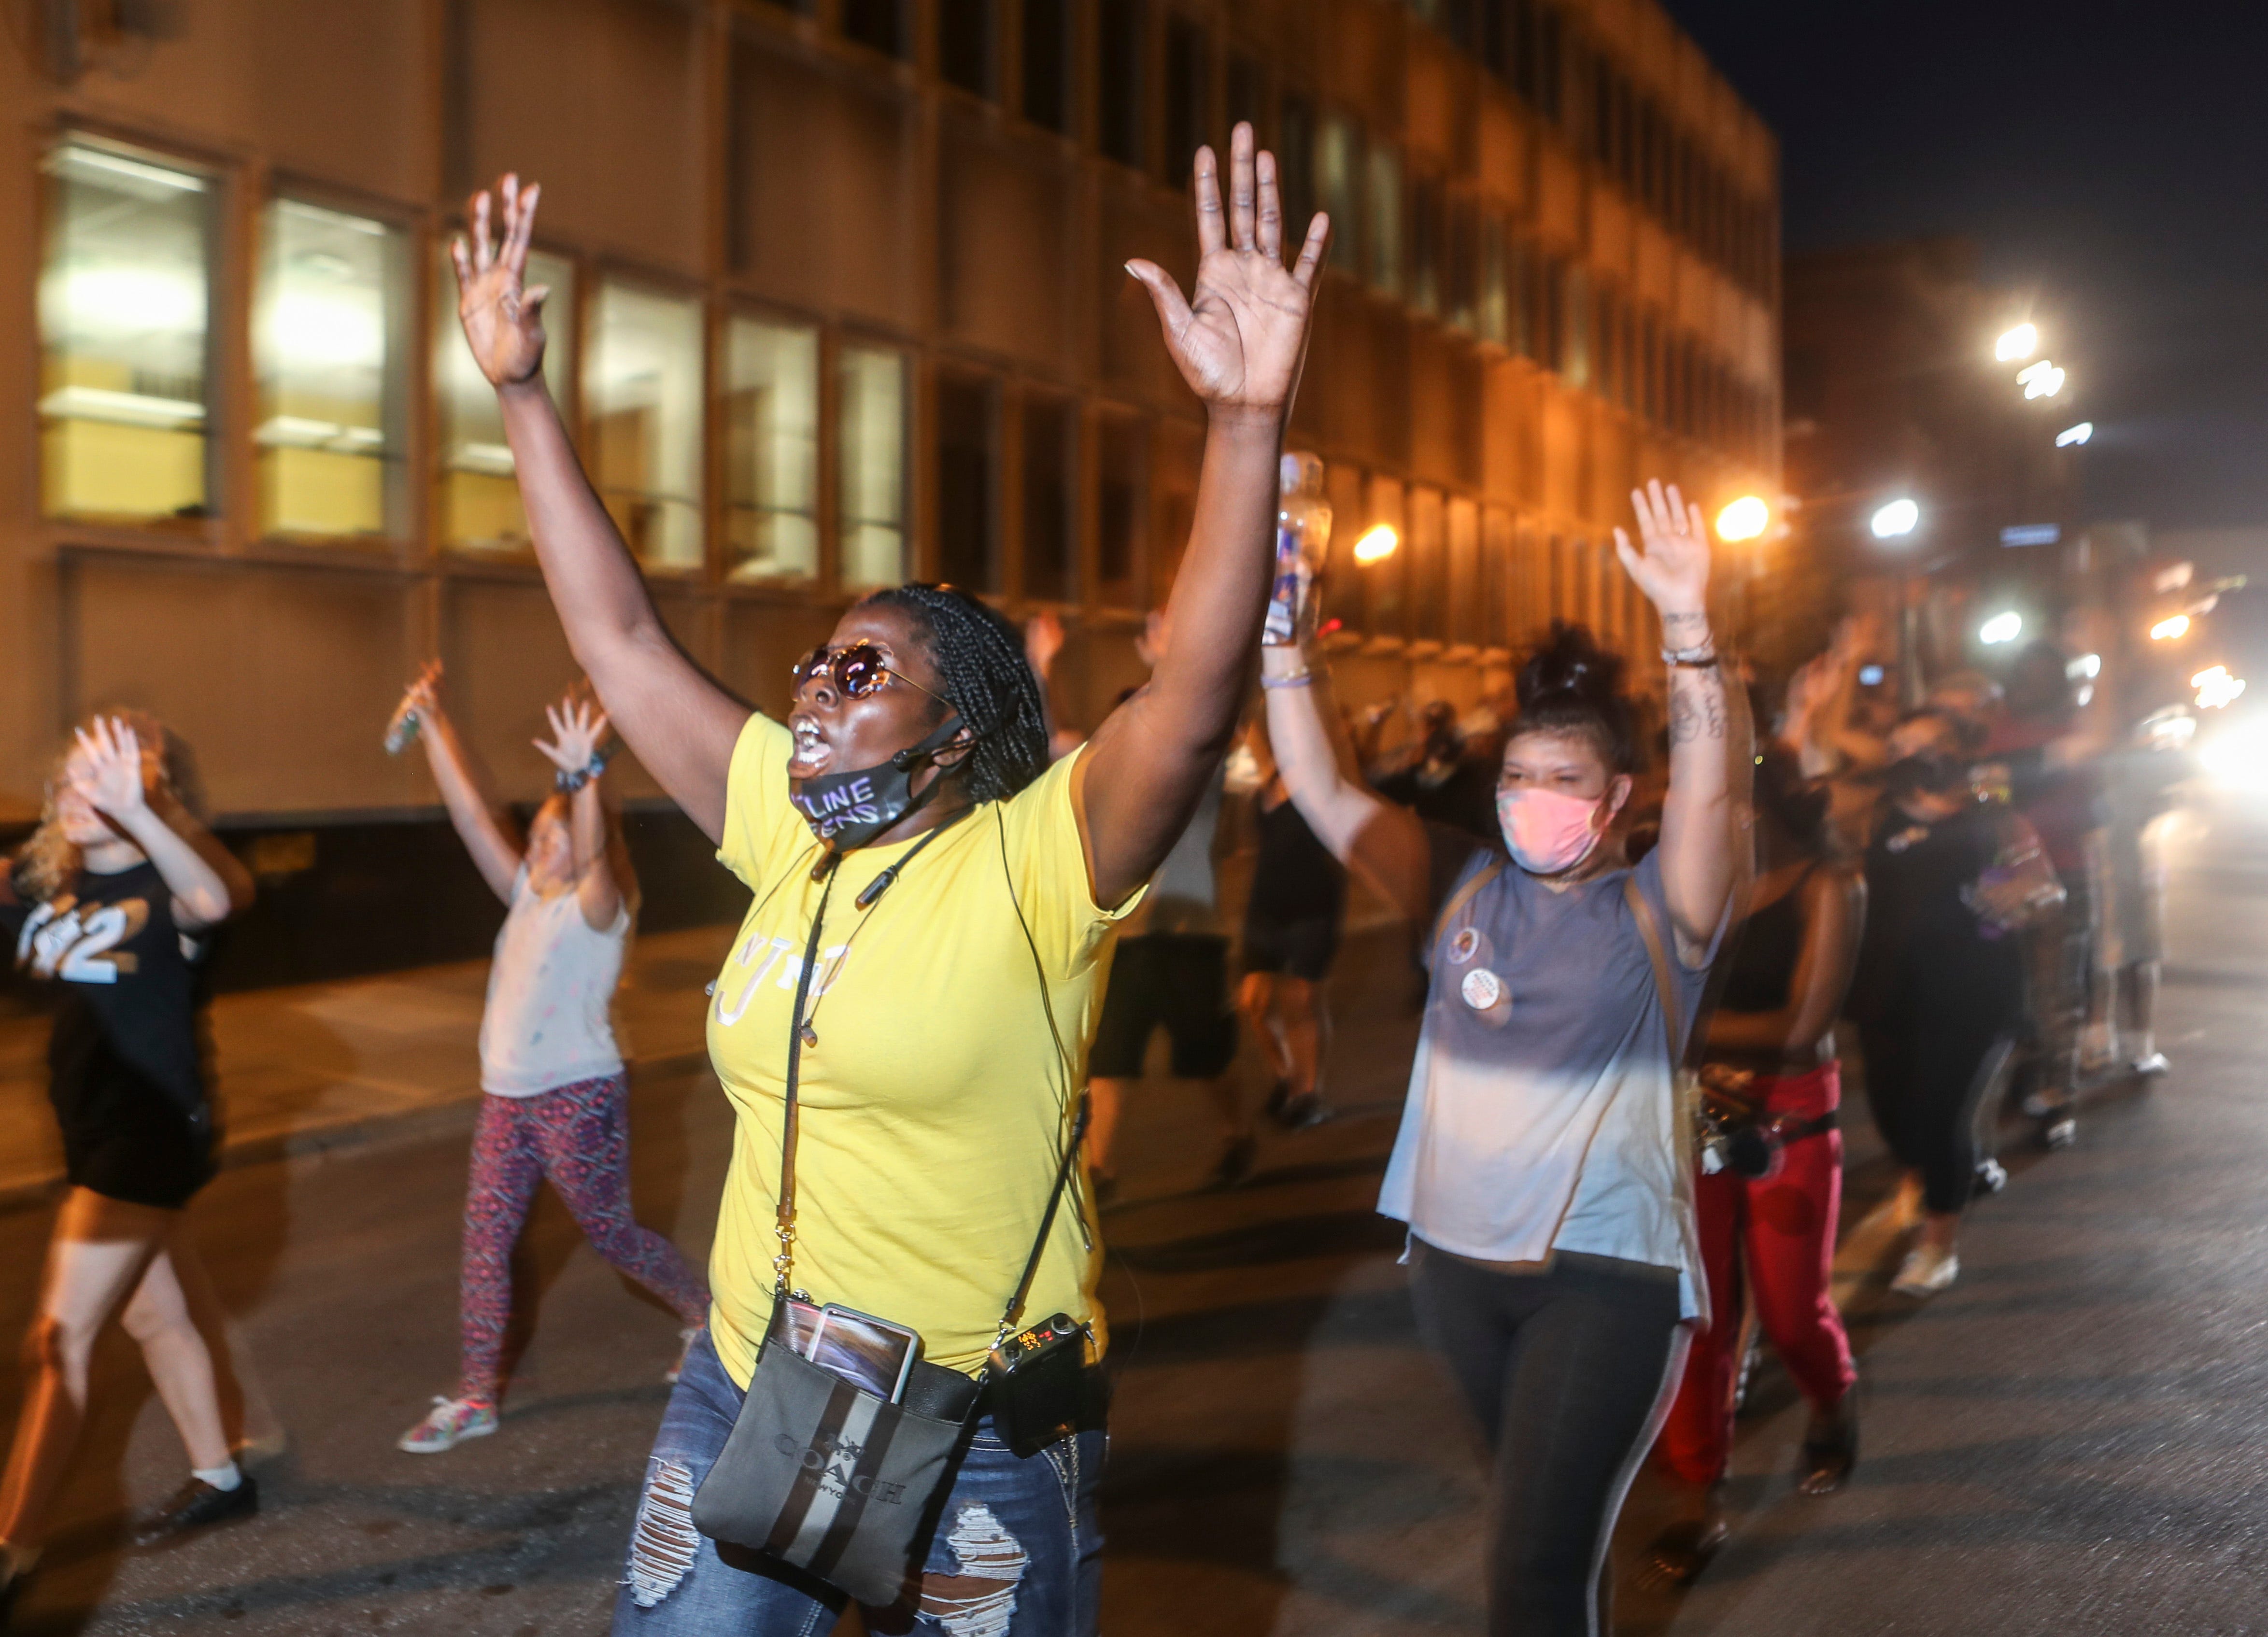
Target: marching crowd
1621 1126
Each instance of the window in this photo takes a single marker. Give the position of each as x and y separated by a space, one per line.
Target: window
1499 543
642 392
1189 94
124 307
1119 79
771 450
1122 451
967 476
1050 526
480 498
1524 290
1467 605
1248 98
1603 112
1459 294
1047 64
1494 314
1550 69
1551 314
1295 170
1429 566
1338 179
870 443
964 44
1384 607
1575 330
1427 231
1650 396
1382 222
1605 325
880 23
328 336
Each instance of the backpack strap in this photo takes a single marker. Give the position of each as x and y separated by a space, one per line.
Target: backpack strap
1650 929
1467 891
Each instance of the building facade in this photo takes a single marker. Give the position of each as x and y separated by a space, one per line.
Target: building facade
837 299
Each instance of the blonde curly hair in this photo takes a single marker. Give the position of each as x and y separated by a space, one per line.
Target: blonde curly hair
50 861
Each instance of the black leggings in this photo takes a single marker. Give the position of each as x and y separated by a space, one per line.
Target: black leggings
1568 1372
1926 1076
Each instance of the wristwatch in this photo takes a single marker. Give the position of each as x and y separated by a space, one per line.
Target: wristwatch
567 783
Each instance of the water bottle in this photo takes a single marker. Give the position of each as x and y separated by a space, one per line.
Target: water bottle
1303 532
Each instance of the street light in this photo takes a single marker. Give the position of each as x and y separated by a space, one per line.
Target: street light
2001 627
1377 546
2216 688
2170 630
2040 380
1744 520
2072 436
1900 517
2021 342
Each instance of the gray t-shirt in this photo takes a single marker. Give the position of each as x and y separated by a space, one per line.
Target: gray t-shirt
1543 1109
1184 896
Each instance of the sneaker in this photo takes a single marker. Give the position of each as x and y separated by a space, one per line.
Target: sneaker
196 1504
1926 1271
686 1338
1992 1176
1237 1155
2046 1104
2151 1067
447 1424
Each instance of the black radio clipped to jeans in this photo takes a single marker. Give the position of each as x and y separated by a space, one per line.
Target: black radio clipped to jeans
1037 1385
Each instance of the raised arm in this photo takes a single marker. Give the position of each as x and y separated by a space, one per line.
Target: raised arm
1384 841
112 777
488 835
577 732
1834 914
680 722
1239 343
1699 868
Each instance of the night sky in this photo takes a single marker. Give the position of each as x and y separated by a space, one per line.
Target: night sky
2115 157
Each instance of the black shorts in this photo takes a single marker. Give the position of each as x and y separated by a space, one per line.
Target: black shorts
137 1147
1176 980
1297 949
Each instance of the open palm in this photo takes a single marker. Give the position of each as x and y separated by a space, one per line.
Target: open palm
503 319
1673 568
1241 340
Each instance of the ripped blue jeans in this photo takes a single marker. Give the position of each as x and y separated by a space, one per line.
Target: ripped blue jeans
1017 1551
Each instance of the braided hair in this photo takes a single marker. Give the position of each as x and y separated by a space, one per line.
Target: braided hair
979 654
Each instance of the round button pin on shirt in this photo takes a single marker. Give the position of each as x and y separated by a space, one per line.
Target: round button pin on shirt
1481 988
1462 946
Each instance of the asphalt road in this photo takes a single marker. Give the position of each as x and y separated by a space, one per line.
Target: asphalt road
2070 1441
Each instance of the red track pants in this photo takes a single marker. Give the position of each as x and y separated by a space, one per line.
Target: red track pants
1780 1232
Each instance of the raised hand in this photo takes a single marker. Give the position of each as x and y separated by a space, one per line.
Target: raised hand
424 695
578 729
1673 570
107 771
1241 340
1044 639
503 321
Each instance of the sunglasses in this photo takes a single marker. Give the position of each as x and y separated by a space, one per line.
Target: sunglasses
856 670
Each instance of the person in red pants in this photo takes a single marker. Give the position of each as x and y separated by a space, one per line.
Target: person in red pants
1772 1046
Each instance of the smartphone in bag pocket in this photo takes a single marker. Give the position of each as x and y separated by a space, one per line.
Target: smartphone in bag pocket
867 1352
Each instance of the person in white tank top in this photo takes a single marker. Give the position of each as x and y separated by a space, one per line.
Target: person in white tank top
555 1102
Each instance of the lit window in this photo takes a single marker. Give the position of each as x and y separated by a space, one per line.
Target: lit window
328 337
1338 181
642 394
1496 312
480 496
871 444
772 478
123 317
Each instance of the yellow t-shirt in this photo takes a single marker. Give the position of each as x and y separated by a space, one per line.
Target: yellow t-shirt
935 1106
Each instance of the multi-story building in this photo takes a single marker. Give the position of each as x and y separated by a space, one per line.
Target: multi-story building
837 299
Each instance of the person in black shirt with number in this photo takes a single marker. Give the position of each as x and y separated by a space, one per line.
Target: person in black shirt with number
112 901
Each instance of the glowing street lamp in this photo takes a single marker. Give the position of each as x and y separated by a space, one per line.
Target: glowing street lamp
2170 630
2001 627
2072 436
1900 517
2040 380
1377 546
2021 342
1744 520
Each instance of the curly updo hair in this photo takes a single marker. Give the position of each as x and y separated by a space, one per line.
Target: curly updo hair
979 656
1571 686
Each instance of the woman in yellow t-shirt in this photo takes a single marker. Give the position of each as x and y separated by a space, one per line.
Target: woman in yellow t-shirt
955 974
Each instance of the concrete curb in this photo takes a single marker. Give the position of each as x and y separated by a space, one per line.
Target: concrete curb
446 1118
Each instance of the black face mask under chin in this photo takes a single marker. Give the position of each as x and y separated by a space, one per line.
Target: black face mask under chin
848 809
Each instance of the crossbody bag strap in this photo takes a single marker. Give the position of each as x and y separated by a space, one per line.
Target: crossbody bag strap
1650 930
1465 895
784 1264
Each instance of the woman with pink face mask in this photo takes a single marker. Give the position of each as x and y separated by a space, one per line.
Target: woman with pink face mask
1544 1164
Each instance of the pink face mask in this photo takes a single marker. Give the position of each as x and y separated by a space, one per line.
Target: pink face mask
1549 833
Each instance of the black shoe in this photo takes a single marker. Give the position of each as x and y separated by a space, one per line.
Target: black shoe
1830 1448
1237 1155
1278 1095
1992 1176
194 1505
2059 1132
1300 1112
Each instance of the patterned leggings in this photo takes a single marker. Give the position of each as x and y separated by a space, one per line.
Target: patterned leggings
577 1136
